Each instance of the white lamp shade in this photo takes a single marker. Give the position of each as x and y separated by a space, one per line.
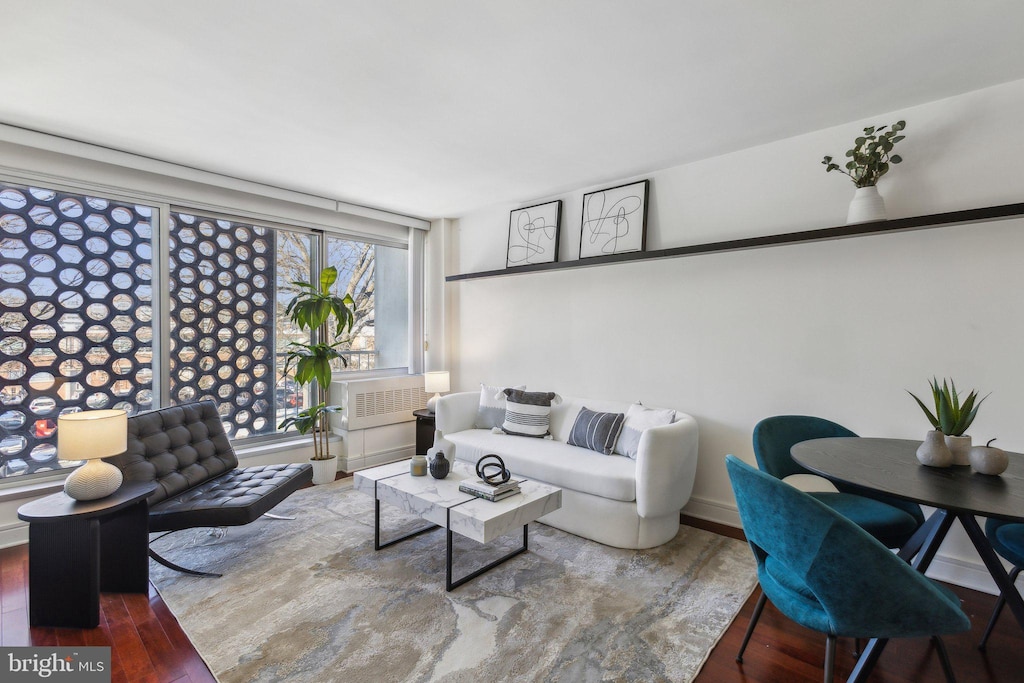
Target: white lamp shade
92 434
436 382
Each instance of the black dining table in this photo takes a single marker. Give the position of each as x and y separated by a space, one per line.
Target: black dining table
890 466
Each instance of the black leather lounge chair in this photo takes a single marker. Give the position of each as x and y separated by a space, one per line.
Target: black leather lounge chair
185 450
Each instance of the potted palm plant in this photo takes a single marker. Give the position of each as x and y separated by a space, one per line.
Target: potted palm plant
311 309
869 160
952 418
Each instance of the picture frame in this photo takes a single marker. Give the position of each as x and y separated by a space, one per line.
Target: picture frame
533 233
614 220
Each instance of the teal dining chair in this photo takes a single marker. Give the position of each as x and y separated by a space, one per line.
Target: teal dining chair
889 520
1007 539
817 566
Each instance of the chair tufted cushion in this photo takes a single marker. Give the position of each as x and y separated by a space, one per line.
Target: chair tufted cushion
177 447
236 498
185 450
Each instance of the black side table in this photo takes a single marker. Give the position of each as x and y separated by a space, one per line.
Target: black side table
78 548
424 430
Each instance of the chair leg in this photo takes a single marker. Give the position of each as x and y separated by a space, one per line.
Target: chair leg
947 668
178 568
830 657
758 608
1000 603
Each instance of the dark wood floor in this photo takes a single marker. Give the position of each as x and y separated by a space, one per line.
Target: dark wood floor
148 646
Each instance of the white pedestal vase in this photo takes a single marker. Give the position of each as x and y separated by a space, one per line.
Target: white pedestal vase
933 451
324 471
867 206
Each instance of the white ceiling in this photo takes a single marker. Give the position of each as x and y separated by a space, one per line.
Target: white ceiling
434 108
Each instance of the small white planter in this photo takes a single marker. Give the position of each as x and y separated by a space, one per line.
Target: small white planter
867 206
324 471
960 447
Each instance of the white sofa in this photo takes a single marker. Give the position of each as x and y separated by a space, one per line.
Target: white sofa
607 498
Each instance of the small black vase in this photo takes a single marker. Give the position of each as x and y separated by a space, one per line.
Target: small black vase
439 467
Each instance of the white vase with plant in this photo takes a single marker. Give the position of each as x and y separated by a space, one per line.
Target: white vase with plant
869 160
952 418
311 310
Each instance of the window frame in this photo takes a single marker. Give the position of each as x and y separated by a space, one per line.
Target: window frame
163 206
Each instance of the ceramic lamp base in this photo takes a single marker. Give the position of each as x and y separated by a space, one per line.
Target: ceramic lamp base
95 479
432 402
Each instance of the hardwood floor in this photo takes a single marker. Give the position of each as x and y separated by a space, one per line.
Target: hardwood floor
148 646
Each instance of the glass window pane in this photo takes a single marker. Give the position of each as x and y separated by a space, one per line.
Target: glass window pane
75 316
377 278
227 317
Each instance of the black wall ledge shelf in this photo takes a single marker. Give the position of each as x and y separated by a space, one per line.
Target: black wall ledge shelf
935 220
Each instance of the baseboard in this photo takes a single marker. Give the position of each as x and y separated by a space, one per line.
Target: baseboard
361 462
15 533
713 511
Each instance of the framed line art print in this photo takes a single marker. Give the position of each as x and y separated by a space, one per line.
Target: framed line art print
533 234
614 220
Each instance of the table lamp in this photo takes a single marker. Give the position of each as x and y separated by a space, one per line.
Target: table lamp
89 436
435 382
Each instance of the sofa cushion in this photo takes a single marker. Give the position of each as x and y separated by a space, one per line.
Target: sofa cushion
526 412
552 462
491 411
596 431
639 418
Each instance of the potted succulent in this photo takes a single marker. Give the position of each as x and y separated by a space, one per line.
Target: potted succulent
311 309
869 160
952 418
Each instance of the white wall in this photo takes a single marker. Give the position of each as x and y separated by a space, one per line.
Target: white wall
838 329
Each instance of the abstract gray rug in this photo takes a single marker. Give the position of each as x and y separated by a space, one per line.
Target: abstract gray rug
310 600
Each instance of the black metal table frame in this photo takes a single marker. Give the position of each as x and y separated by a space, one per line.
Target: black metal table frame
449 584
919 552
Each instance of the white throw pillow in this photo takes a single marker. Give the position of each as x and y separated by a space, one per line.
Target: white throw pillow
639 418
491 411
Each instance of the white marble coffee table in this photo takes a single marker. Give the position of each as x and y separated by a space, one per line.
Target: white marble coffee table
440 502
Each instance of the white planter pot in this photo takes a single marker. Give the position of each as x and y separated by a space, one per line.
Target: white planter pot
324 471
867 206
960 447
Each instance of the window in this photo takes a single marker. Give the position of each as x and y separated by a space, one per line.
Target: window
77 280
377 278
76 323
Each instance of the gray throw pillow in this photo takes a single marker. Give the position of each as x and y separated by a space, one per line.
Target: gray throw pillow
596 431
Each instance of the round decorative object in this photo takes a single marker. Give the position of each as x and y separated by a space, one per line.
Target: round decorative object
933 451
960 447
867 206
988 459
491 468
93 480
439 466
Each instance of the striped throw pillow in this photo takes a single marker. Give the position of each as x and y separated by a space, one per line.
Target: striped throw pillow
596 431
527 413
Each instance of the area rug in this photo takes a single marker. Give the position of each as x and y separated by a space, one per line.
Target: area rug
310 600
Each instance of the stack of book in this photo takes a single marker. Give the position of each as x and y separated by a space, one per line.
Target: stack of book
481 489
